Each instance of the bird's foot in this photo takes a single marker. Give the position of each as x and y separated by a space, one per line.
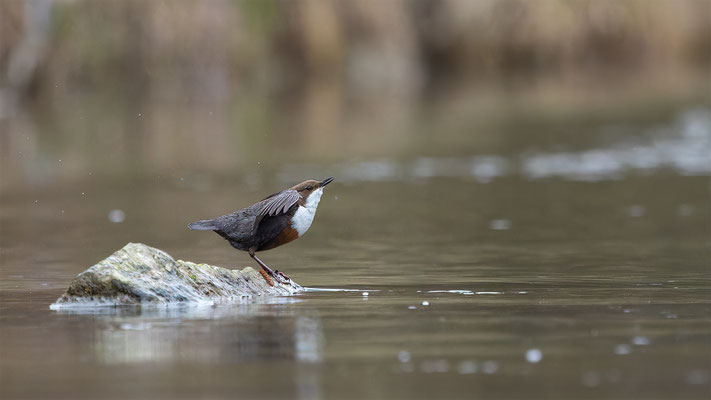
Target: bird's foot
271 276
282 276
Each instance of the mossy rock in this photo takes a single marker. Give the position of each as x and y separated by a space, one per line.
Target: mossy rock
140 274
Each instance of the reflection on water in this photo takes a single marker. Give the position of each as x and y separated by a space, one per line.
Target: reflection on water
239 332
683 146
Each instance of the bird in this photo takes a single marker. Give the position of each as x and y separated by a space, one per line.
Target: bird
276 220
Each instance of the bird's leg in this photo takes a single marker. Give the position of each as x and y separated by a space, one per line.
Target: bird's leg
279 276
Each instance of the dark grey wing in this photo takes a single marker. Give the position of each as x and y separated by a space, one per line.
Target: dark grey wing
277 204
280 203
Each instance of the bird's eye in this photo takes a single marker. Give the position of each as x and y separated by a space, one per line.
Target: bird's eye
309 187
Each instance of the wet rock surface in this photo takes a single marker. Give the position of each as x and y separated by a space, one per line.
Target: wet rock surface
140 274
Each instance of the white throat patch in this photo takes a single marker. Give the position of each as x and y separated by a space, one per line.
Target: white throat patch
304 216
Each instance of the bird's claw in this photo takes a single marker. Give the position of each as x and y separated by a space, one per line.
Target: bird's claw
281 277
272 276
281 274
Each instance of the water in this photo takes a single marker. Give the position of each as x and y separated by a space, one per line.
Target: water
461 277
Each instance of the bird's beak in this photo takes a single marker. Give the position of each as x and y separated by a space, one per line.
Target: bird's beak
326 181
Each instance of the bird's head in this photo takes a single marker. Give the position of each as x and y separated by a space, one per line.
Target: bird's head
311 190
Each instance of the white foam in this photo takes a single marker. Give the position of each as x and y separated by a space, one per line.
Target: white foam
100 303
313 289
451 291
464 292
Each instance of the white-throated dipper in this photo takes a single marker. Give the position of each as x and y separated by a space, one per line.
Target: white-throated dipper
276 220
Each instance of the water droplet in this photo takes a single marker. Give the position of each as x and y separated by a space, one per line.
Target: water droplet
534 355
403 356
623 349
117 216
641 340
365 294
412 307
82 193
425 303
500 224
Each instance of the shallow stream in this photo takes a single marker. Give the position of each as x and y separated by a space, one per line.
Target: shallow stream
550 274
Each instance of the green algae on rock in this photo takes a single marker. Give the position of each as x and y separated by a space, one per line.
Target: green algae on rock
139 274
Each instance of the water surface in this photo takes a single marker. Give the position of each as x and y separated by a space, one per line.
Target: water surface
466 277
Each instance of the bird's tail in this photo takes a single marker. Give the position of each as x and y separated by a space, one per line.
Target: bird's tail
204 225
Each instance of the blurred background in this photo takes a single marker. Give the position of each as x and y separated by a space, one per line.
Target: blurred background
523 188
242 88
